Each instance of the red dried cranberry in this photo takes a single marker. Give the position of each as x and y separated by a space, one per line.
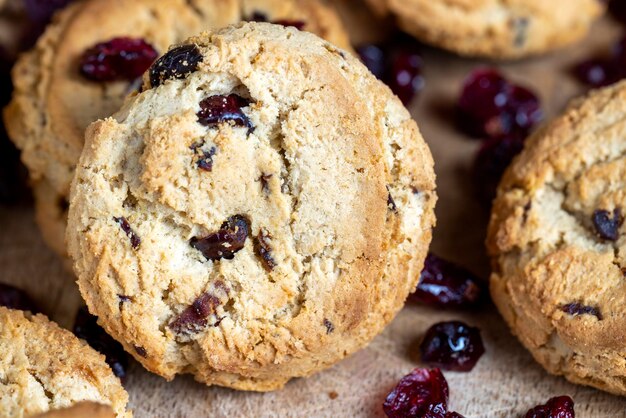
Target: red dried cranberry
576 309
177 63
117 59
86 327
226 242
422 393
220 109
195 318
264 250
405 78
135 241
446 285
490 106
14 298
607 226
452 345
490 163
205 158
558 407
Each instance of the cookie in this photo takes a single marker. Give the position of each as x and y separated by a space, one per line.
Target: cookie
51 216
45 367
497 29
258 213
80 410
55 99
557 242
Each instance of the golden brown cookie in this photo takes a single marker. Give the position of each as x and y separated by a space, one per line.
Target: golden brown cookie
501 29
557 241
45 367
54 101
258 213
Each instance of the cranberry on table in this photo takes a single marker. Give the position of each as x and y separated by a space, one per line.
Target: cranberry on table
490 106
558 407
418 394
490 163
397 63
446 285
118 59
86 327
452 345
601 71
14 298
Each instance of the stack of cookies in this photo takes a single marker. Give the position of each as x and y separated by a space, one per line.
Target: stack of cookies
242 200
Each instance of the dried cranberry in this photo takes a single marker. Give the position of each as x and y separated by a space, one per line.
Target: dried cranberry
607 226
576 309
221 109
205 158
490 163
446 285
226 242
14 298
452 345
135 241
604 70
117 59
86 327
421 393
330 328
264 250
374 59
405 78
195 317
177 63
490 106
558 407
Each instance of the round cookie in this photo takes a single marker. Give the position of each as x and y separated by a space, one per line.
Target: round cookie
53 103
258 213
501 29
45 367
557 243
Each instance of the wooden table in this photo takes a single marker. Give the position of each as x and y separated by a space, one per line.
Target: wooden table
506 381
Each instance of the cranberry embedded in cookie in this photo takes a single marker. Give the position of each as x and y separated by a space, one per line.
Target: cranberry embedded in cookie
117 59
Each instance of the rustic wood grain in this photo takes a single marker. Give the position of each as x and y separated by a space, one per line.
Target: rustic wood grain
506 381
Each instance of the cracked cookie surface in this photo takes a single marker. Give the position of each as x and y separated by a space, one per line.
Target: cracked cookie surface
258 213
557 243
44 367
502 29
53 102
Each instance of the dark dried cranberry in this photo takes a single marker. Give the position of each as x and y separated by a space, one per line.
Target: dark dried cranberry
86 327
391 204
558 407
264 250
374 59
175 64
576 309
446 285
490 106
490 163
607 226
14 298
329 326
141 351
452 345
405 78
117 59
195 317
422 393
604 70
226 242
220 109
205 158
135 241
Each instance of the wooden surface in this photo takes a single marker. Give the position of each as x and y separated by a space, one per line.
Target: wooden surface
506 381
